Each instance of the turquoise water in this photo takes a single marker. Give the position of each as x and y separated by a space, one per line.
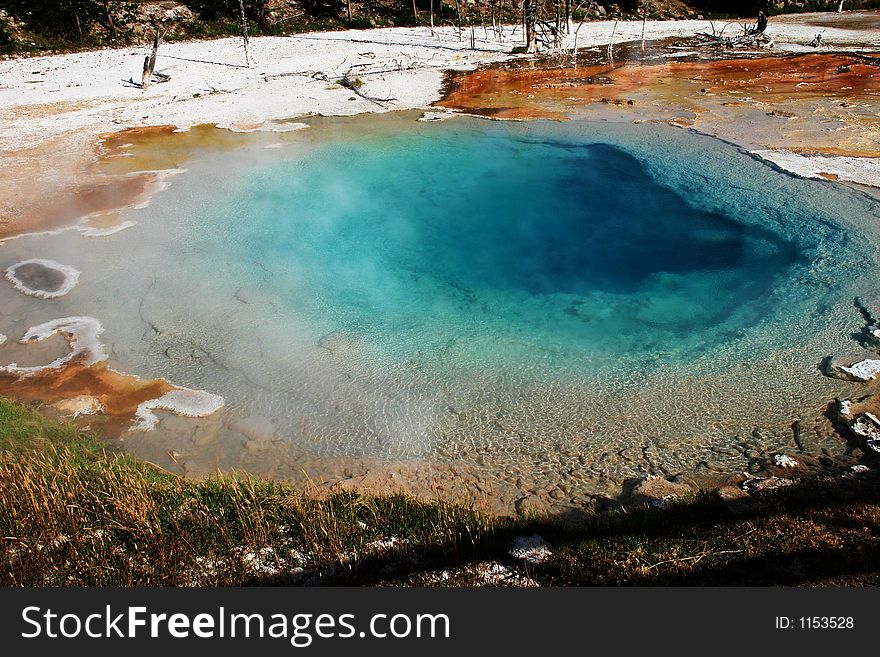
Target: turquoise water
598 299
561 240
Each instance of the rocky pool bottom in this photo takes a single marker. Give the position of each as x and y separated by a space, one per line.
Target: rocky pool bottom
530 314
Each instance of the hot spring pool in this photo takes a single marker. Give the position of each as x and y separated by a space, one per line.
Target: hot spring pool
596 299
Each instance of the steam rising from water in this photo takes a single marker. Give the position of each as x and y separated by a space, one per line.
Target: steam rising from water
533 297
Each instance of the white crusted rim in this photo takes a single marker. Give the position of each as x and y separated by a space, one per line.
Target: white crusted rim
82 224
431 117
181 401
82 334
862 170
71 277
263 127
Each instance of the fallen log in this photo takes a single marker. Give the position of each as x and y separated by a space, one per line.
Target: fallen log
354 85
752 36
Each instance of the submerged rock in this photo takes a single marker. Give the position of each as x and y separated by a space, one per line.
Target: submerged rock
78 406
529 505
341 343
655 491
259 432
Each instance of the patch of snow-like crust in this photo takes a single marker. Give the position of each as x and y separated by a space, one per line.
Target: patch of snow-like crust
784 461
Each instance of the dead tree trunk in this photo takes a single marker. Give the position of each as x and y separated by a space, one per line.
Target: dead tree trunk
262 7
644 21
529 13
753 36
611 43
761 23
415 12
108 16
493 14
147 74
840 7
150 63
348 9
244 33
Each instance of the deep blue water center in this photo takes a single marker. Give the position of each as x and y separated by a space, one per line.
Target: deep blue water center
585 217
576 242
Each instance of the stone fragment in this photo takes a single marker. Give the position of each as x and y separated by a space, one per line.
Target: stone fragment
867 426
735 499
530 549
848 369
784 461
761 484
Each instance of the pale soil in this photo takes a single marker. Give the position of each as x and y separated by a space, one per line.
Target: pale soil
54 108
43 97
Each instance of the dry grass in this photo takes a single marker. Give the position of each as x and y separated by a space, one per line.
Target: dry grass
68 520
73 514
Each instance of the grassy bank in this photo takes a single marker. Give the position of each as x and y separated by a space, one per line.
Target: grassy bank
72 513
